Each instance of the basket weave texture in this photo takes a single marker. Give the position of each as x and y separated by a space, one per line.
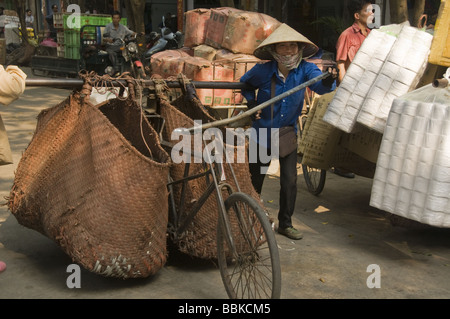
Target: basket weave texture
199 239
89 182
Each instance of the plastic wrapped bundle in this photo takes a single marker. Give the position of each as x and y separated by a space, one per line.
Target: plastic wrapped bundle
245 30
196 26
168 63
216 25
199 69
359 78
412 177
401 72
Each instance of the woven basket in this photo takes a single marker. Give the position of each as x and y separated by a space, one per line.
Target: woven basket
199 240
89 182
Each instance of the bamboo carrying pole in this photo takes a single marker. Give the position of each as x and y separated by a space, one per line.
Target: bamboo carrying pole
78 83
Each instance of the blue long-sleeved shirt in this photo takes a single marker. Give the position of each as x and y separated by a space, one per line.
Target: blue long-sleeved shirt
287 110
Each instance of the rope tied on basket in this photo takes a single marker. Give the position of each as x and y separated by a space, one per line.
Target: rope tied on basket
187 87
161 89
105 83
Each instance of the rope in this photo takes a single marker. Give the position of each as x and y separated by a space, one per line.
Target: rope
104 84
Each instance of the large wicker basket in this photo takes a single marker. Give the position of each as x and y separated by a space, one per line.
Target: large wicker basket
94 180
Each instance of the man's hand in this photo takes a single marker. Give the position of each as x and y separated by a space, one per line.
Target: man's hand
334 74
255 116
334 71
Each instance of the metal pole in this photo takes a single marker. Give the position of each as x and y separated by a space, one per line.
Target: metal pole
78 83
261 106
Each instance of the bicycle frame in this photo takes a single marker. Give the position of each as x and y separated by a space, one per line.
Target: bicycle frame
215 183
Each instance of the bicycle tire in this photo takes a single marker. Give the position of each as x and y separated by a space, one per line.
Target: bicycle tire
255 272
314 178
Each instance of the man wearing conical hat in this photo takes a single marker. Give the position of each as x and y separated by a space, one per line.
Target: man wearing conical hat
286 50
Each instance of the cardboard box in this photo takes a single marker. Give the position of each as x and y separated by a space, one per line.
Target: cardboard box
440 48
365 143
319 139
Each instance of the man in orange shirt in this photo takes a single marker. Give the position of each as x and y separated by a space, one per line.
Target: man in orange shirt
351 39
349 43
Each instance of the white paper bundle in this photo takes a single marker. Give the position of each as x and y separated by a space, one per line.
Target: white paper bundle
359 78
412 177
401 71
389 63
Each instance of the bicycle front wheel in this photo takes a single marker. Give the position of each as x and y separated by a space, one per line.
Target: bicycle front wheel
253 271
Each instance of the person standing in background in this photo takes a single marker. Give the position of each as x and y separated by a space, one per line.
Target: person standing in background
49 20
349 43
29 19
352 38
12 85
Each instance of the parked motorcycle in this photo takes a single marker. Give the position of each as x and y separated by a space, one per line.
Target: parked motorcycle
166 40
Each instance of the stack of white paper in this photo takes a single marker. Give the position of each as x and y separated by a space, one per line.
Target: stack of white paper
412 177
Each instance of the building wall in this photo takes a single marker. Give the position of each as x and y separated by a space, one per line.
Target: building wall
156 9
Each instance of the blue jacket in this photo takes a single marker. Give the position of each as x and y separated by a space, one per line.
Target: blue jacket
287 110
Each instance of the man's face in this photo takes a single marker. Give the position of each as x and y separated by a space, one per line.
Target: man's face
286 48
116 19
366 15
55 9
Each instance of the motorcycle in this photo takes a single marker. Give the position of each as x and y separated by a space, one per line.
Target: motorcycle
166 40
131 56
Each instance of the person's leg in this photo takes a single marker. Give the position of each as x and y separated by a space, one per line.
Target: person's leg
288 196
258 170
112 54
288 189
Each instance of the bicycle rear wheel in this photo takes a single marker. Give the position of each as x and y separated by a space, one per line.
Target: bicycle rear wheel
314 178
254 272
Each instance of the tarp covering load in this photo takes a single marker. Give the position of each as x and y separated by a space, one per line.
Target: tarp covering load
93 179
196 26
169 64
412 177
223 46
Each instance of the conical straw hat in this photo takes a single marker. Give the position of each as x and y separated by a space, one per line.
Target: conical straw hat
284 33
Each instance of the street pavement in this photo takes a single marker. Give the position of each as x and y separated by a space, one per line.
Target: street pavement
350 250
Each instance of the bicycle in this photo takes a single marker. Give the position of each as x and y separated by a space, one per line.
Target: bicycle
247 252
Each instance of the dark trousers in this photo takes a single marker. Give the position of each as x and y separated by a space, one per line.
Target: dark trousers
288 185
113 51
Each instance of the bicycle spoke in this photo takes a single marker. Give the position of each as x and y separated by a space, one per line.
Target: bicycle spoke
254 271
